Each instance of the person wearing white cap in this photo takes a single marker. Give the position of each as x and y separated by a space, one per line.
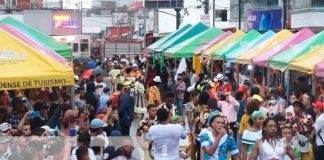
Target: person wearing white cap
154 91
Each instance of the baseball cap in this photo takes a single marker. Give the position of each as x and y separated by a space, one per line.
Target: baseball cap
98 123
5 127
318 105
258 98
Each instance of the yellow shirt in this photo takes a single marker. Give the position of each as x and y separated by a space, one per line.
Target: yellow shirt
244 124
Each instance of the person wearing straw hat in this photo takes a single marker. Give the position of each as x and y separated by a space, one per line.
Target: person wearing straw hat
318 131
126 109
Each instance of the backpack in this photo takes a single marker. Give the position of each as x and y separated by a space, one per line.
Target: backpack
114 98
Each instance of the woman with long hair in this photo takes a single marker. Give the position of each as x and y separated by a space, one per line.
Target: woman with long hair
218 143
271 146
251 135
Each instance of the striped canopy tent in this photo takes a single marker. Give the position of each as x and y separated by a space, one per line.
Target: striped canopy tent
189 33
229 40
263 59
46 40
213 42
187 48
232 56
246 58
153 46
248 37
307 62
282 60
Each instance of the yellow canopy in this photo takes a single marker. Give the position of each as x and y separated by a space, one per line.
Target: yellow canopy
307 62
24 67
246 58
230 39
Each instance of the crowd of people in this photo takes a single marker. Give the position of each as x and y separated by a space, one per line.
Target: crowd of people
181 115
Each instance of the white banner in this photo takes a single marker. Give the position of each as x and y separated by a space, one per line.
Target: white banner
76 4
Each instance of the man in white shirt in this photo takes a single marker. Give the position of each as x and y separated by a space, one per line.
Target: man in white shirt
100 85
165 137
83 141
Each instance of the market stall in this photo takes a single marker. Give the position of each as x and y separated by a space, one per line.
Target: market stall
248 37
32 43
187 48
233 55
24 67
246 58
282 60
60 48
161 41
262 60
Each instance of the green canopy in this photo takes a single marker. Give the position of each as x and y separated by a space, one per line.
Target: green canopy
166 38
189 33
43 39
187 48
251 35
281 61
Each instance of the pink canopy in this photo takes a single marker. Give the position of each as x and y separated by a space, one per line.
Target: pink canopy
319 72
262 60
21 36
213 42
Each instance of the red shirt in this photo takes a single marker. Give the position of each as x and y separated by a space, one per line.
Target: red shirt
226 88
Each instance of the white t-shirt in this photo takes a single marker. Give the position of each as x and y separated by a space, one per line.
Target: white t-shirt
166 140
90 152
99 90
319 127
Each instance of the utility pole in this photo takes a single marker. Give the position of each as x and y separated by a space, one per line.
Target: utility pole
240 13
206 7
178 17
285 25
213 13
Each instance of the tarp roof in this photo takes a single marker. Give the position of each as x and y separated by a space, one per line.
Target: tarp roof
62 49
13 31
248 37
307 62
24 67
281 61
262 60
188 47
229 40
191 32
213 42
246 58
166 38
233 55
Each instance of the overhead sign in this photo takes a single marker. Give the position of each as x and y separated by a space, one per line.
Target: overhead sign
76 4
270 19
141 15
205 18
163 3
120 18
64 21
